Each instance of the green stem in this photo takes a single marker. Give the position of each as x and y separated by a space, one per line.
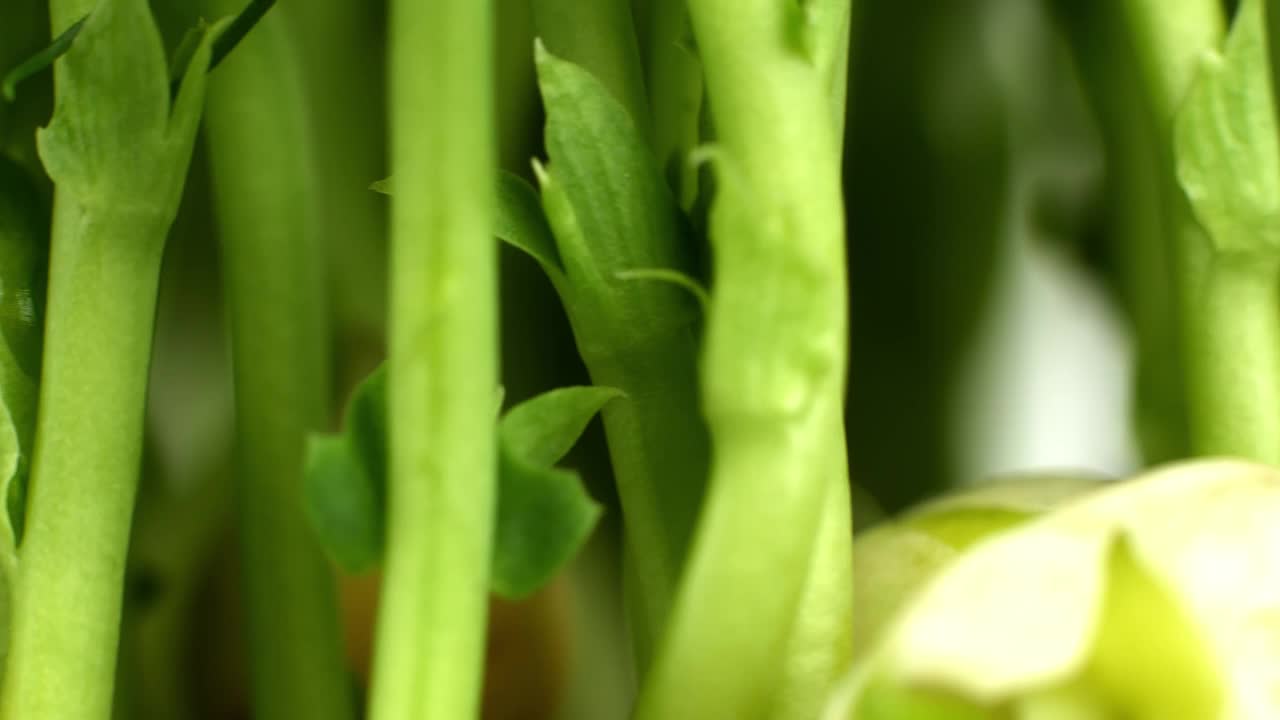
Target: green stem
117 149
675 93
442 368
657 441
104 270
658 449
1140 211
266 203
773 372
343 70
1234 354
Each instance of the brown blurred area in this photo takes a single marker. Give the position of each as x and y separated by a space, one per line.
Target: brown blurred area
529 649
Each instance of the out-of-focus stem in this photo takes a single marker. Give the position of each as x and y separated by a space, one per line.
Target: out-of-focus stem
442 369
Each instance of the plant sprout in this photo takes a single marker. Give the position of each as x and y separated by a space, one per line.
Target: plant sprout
756 238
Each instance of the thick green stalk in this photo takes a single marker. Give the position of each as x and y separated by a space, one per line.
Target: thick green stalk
102 291
267 213
1234 377
442 367
117 150
773 372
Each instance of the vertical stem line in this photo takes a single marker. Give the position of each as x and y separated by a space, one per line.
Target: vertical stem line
104 271
442 367
773 377
1234 358
266 202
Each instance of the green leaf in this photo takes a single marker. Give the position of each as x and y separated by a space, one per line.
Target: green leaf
1226 141
520 222
610 210
344 481
543 517
40 60
544 514
540 431
117 141
344 503
1154 599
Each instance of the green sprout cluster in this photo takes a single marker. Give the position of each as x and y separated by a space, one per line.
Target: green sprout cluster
308 310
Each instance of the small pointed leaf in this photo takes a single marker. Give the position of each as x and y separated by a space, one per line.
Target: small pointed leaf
521 223
540 431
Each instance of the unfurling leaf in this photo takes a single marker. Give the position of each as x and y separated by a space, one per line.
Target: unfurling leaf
541 430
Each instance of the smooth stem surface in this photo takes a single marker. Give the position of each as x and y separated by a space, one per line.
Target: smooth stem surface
773 371
658 449
1235 358
442 369
273 263
104 269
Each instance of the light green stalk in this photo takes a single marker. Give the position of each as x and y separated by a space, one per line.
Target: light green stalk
117 150
1228 163
266 202
442 368
773 371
